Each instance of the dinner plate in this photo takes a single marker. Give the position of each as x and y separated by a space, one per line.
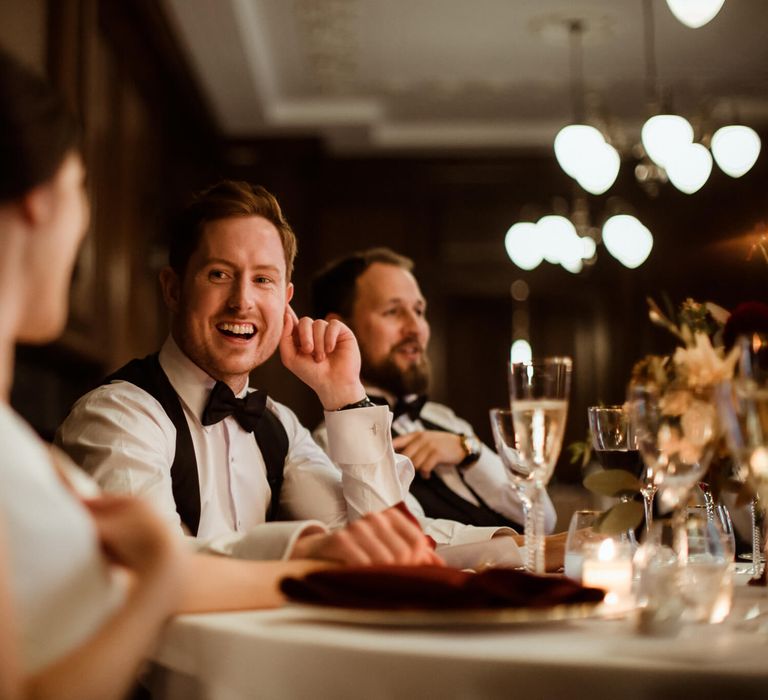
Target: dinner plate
445 618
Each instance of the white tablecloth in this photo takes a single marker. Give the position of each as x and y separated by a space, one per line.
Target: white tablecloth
281 654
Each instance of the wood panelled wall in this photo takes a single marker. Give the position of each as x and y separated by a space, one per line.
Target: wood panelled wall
147 141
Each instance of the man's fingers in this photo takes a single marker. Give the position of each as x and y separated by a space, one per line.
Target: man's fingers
304 337
379 540
402 441
416 542
319 330
344 547
289 321
332 333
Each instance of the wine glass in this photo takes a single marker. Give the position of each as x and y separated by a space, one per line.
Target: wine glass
539 392
520 473
677 432
615 445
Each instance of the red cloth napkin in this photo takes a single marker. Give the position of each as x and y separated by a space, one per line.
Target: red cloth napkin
434 588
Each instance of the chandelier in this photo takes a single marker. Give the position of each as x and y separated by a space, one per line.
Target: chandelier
667 139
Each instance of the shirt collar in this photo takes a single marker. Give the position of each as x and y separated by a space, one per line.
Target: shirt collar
192 384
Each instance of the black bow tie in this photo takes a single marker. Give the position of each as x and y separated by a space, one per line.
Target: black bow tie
222 403
412 407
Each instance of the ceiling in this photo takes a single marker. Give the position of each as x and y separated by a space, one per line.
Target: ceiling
383 76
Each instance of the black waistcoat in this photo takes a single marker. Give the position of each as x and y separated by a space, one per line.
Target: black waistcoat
270 435
440 501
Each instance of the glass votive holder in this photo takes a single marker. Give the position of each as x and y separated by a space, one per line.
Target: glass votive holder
706 575
608 565
581 532
658 599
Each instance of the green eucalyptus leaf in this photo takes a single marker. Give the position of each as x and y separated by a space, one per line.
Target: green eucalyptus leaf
621 517
612 482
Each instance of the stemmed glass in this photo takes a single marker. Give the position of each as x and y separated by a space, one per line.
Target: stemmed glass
539 392
743 407
615 445
520 473
677 432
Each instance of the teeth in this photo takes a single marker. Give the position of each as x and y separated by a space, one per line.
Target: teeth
239 328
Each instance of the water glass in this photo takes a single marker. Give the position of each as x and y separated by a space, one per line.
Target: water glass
658 598
706 577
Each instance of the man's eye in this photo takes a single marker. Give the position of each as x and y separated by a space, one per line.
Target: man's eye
217 275
390 312
261 279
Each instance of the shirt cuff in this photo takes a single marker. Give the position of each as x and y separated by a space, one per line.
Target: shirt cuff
498 551
358 435
269 541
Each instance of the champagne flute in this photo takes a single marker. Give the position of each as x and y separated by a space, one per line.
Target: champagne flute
615 445
539 392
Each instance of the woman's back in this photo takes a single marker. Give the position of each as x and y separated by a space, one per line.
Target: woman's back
59 577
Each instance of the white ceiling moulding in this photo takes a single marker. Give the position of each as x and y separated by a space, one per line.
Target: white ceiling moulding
462 135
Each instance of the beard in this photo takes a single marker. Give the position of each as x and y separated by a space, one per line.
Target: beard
387 375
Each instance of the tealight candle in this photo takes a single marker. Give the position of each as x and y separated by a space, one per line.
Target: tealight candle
608 565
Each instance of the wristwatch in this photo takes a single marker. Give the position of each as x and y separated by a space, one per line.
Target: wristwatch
472 447
365 402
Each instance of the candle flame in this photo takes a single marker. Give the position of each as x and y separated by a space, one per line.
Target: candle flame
607 550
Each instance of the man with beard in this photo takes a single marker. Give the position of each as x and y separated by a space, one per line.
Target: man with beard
458 478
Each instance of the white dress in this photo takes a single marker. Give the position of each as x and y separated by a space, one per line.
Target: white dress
62 587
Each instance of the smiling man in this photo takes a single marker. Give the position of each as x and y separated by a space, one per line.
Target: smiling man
229 465
458 478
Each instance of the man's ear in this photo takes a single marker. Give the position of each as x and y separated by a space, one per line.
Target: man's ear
171 286
37 204
289 292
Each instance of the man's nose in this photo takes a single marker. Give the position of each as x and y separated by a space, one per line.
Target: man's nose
241 295
414 324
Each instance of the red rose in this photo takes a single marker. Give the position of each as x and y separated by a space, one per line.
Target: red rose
748 317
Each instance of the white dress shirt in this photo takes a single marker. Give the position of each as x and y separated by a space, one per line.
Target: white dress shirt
487 477
123 437
62 587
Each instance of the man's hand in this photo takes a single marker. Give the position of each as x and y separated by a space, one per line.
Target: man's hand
388 537
429 448
325 356
133 537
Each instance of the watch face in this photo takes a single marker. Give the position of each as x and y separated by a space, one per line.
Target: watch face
471 445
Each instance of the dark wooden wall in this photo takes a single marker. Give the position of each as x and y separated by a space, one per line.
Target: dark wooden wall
147 141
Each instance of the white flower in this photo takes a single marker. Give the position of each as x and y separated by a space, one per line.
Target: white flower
702 364
698 423
675 402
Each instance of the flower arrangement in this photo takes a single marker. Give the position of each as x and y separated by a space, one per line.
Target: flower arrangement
684 381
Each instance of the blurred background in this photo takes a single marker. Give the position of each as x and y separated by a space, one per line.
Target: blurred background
427 126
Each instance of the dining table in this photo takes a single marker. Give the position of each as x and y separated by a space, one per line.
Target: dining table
303 651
